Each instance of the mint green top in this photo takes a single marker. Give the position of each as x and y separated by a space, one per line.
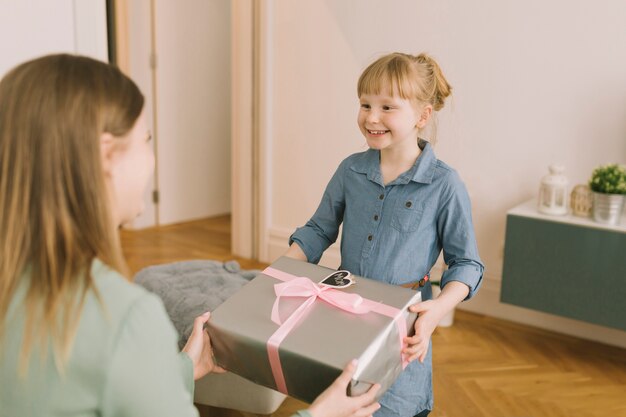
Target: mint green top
124 362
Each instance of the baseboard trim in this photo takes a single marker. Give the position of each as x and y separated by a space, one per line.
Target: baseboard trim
486 302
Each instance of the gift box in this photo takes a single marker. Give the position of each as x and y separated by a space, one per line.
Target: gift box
320 330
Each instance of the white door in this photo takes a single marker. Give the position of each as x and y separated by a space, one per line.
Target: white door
188 95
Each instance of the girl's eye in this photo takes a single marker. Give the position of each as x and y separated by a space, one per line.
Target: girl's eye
385 108
365 106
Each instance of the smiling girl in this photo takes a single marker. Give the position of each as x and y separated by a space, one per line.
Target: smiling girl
400 207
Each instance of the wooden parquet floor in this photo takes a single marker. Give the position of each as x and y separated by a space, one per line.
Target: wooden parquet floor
483 367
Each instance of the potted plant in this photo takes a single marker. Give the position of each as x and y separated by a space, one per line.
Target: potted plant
448 319
608 183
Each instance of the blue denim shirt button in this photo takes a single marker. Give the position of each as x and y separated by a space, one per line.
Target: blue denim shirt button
370 237
380 197
375 217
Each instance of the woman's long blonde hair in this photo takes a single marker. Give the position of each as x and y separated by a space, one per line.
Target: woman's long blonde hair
54 207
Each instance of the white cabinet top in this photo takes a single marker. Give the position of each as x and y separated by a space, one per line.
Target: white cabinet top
529 209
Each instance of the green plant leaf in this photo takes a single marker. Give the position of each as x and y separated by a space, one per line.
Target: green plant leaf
608 179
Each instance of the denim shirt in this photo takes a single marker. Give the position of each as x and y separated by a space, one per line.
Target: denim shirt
394 233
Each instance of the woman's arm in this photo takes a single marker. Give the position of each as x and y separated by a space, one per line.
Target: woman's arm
334 402
144 375
199 350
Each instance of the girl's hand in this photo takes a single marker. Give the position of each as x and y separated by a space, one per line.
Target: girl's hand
198 347
334 402
430 312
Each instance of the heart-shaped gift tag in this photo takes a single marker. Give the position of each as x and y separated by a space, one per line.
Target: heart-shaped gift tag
338 279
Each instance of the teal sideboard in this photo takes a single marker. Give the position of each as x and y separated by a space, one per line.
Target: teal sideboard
565 265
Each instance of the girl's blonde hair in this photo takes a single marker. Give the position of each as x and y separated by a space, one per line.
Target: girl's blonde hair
54 206
418 78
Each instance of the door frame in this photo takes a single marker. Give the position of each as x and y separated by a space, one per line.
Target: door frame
250 121
251 126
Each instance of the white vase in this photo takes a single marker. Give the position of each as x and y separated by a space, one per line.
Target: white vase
448 319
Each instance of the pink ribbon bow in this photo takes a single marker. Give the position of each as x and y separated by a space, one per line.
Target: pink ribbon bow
304 287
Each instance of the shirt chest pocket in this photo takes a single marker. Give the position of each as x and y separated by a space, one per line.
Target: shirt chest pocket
407 215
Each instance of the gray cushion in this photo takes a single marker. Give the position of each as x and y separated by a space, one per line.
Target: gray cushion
190 288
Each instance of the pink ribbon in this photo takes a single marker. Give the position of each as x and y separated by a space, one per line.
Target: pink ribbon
294 286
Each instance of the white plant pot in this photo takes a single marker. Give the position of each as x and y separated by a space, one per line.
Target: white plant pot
448 319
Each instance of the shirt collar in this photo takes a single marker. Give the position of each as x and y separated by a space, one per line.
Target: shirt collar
421 172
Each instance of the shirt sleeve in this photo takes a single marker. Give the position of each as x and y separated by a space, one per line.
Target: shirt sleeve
456 231
322 229
147 375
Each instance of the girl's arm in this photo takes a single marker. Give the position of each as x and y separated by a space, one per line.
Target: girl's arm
295 252
465 270
309 242
456 233
451 295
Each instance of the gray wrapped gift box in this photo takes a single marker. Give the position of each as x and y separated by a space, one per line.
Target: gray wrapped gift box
314 353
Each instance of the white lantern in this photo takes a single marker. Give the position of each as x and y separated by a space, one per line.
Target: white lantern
553 192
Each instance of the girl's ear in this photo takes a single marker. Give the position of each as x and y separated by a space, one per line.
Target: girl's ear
424 116
107 142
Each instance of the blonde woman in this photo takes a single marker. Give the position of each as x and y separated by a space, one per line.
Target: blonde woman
76 337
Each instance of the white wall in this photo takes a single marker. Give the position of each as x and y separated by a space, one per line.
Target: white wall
534 82
29 29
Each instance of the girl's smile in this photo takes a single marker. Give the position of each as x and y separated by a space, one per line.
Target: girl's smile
377 132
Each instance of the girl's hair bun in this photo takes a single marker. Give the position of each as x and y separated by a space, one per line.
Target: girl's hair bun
438 88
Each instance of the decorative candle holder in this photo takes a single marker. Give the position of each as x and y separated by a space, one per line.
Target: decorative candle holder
553 192
581 200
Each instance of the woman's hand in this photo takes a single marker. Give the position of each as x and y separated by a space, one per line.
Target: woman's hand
334 402
198 347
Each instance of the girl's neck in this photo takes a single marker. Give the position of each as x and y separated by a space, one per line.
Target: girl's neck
395 161
405 155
